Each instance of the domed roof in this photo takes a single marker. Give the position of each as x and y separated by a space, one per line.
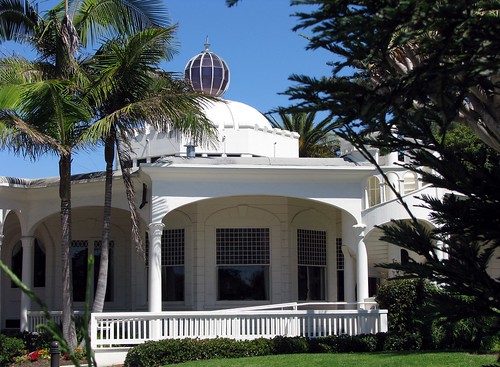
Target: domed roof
208 73
235 115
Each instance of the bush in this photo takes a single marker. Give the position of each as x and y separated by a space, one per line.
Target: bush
290 345
400 341
407 301
36 340
10 347
172 351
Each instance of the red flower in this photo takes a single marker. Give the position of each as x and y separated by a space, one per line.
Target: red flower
33 356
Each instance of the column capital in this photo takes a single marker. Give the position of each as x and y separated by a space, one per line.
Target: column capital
27 241
154 227
359 230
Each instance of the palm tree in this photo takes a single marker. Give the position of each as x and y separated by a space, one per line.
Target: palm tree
316 139
129 92
41 115
56 36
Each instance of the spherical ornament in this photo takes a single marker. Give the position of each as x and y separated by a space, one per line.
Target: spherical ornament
208 73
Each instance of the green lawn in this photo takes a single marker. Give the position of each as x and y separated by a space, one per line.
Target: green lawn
384 359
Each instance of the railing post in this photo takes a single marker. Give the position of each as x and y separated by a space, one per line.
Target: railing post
54 354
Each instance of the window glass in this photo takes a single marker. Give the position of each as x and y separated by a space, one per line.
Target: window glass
374 191
311 283
311 247
17 262
79 261
244 282
79 252
243 256
172 253
39 266
410 182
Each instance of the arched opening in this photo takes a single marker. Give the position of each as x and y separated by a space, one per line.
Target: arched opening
391 185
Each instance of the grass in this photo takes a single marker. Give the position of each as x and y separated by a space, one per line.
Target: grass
383 359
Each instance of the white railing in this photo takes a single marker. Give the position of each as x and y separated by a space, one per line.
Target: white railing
36 318
126 329
112 334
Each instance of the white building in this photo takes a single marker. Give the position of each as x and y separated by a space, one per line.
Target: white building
245 223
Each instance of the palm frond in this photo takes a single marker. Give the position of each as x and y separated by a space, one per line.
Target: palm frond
18 20
22 139
96 20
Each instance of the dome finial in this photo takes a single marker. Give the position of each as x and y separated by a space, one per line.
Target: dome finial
207 73
207 45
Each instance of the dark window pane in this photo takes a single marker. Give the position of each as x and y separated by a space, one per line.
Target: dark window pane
39 266
173 283
79 260
340 286
243 283
17 262
311 280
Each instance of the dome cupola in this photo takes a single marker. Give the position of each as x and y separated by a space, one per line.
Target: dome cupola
207 73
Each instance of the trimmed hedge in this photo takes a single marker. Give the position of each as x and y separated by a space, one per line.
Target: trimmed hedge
171 351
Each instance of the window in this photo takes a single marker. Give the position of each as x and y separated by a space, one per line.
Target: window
79 253
79 260
311 247
340 270
39 266
373 191
405 257
172 253
243 258
17 262
410 182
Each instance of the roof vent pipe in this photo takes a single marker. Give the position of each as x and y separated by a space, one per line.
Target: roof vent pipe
190 150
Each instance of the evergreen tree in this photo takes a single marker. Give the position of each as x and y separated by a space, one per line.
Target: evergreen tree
409 76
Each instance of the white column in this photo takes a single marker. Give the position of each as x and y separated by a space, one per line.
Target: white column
382 192
362 263
349 277
154 291
27 278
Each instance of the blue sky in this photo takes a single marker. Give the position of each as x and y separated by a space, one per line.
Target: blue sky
255 38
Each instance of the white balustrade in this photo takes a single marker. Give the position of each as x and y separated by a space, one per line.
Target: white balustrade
119 329
112 334
122 328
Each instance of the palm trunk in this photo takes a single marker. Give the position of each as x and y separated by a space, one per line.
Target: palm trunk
102 280
123 156
68 325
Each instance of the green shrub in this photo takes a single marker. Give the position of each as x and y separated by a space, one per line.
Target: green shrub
172 351
325 344
407 301
402 342
290 345
10 347
36 340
